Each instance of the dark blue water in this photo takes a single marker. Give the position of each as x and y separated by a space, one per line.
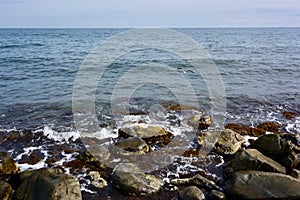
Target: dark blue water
260 68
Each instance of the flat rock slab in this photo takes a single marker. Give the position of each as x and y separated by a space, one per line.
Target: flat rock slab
251 159
131 180
263 185
150 134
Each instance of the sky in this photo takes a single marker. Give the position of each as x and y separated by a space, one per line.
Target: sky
149 13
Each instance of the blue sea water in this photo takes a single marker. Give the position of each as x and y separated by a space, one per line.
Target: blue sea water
260 68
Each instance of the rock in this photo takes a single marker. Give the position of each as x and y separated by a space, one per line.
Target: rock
97 180
296 174
270 126
228 142
251 159
35 157
216 195
49 183
133 144
273 146
196 180
5 190
131 180
289 115
262 185
151 134
7 166
191 193
245 130
200 121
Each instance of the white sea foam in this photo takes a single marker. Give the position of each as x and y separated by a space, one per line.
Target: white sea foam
60 136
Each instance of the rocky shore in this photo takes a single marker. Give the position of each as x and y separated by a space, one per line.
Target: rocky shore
260 162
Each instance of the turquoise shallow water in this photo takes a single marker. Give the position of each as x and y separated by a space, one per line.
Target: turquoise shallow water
260 68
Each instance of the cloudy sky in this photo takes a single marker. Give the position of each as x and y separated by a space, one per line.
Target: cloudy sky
149 13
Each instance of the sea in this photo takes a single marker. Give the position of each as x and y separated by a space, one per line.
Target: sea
259 72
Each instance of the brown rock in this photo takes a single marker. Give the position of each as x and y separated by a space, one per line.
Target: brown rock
216 195
270 126
35 157
289 115
5 190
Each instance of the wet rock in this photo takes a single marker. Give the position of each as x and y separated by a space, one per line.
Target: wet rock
133 144
273 146
191 193
196 180
7 166
5 190
296 174
35 157
289 115
131 180
216 195
48 184
262 185
270 126
201 121
251 159
246 130
151 134
97 180
228 142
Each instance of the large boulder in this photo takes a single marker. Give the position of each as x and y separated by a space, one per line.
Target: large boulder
228 142
5 190
191 193
131 180
262 185
49 183
251 159
275 147
151 134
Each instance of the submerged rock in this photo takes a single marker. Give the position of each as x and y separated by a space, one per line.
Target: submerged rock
289 115
133 144
251 159
270 126
48 184
228 142
131 180
263 185
5 190
150 134
191 193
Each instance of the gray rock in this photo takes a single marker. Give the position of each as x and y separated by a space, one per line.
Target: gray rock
262 185
273 146
191 193
133 144
49 184
296 174
216 195
131 180
200 121
5 190
251 159
228 142
150 134
197 180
